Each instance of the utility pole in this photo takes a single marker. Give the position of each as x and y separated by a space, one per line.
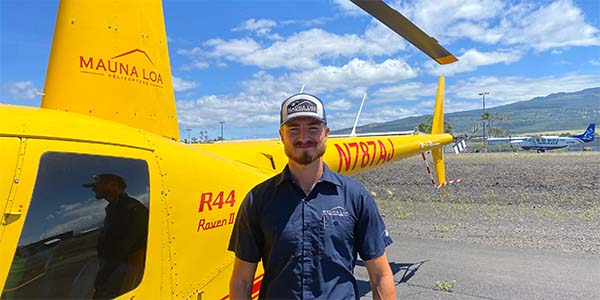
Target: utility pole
222 138
188 139
482 94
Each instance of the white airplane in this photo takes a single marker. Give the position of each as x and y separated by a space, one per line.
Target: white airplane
543 143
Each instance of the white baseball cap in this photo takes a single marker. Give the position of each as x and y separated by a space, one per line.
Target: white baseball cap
302 105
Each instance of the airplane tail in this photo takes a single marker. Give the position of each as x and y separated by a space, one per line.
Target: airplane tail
437 127
588 135
109 59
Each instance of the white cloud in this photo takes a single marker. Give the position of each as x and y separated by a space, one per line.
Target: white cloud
355 73
261 27
388 113
236 110
403 92
524 25
454 106
307 23
541 26
267 85
300 51
180 85
348 8
304 50
559 24
506 90
262 95
440 18
18 91
380 40
472 59
353 78
595 62
356 92
197 56
479 32
341 120
341 104
232 49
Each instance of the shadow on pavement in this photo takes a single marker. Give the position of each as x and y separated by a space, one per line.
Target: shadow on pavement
408 270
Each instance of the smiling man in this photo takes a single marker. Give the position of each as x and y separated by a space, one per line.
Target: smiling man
308 223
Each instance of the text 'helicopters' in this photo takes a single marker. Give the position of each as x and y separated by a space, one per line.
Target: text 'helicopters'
108 116
543 143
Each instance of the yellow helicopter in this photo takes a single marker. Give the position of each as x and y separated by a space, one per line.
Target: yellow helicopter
108 108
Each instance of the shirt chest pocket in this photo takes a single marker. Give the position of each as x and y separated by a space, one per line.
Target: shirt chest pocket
337 235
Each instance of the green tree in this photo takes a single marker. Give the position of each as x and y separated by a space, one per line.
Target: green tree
426 126
494 124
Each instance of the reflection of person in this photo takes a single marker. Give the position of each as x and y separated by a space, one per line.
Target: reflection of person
122 239
307 224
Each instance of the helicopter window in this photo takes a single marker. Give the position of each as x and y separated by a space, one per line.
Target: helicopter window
85 232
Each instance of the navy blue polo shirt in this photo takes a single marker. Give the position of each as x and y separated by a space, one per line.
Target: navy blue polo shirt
308 244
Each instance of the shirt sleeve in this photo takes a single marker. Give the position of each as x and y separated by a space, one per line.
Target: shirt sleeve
245 240
371 236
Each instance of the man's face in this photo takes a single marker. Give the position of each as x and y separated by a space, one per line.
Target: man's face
104 188
304 139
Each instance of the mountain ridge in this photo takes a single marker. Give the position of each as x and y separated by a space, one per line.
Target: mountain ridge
556 112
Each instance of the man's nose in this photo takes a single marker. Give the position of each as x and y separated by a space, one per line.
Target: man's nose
303 135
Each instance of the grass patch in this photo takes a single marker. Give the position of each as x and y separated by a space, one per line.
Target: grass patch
441 228
397 209
400 213
445 286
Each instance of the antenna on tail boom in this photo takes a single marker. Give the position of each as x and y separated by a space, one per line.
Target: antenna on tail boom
353 133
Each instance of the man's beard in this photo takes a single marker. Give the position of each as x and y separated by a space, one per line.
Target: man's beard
303 157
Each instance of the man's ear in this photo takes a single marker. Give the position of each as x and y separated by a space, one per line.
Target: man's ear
326 131
281 133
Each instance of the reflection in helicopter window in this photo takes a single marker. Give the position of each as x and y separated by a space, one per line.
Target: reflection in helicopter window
85 231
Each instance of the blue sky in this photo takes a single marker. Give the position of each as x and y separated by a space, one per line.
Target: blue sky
235 61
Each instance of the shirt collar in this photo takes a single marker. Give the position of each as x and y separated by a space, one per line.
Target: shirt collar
327 176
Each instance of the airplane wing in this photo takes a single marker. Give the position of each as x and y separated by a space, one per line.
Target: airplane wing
506 139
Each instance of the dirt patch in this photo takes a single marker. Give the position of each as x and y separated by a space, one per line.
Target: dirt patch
542 201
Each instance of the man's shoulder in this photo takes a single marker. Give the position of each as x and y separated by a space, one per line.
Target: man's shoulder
131 203
346 182
261 194
267 186
345 179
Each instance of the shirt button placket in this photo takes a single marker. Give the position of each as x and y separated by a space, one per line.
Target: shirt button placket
306 261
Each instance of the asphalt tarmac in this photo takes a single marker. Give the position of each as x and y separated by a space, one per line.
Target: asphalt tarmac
421 267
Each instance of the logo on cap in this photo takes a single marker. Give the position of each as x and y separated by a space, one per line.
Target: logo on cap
301 106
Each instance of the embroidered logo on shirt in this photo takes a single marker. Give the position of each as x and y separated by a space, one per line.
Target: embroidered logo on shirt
337 211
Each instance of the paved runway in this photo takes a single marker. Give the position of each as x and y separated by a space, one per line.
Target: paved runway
486 272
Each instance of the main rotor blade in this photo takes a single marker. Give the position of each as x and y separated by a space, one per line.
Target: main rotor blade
404 27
